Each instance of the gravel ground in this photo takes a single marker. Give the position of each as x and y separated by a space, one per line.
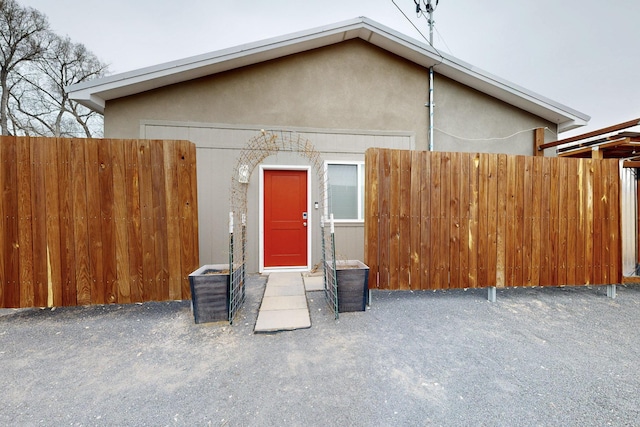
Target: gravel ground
559 356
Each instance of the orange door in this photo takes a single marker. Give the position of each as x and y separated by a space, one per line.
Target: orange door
285 218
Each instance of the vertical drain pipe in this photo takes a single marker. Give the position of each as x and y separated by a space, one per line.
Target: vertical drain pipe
431 106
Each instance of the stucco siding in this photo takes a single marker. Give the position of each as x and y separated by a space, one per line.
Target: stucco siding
352 85
469 121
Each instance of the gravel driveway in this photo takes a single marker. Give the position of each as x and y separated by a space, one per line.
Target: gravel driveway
559 356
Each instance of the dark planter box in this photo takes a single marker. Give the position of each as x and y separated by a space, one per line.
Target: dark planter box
210 293
353 285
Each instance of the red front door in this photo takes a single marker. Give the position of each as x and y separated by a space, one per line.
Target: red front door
285 218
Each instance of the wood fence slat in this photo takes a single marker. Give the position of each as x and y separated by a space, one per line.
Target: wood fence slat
134 219
189 213
483 220
9 248
492 218
170 163
425 223
394 221
5 280
39 223
385 200
614 220
555 193
502 194
25 236
520 279
415 220
536 220
161 257
527 237
149 286
94 222
454 223
588 214
53 241
67 237
573 224
605 219
405 220
545 210
598 211
445 219
511 235
372 214
464 189
435 215
563 224
107 224
474 164
122 285
83 277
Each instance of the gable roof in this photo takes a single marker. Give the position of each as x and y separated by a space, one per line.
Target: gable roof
94 94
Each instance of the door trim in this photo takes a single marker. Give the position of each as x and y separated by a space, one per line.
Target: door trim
310 219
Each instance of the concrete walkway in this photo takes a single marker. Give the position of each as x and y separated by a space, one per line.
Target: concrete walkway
284 304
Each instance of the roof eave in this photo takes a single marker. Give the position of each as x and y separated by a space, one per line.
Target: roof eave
94 94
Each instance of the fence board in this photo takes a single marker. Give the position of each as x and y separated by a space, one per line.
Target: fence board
84 279
52 202
502 195
73 230
385 177
189 188
405 220
25 221
425 223
488 220
394 221
134 223
67 240
474 164
545 231
39 224
372 211
415 194
435 214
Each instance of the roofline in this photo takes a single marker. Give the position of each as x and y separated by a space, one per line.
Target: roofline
95 93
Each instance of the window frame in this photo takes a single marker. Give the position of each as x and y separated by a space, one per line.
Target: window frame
360 177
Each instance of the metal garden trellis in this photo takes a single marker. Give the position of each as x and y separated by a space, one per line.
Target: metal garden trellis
269 143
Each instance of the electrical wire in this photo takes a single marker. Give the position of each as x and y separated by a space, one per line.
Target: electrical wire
419 32
488 139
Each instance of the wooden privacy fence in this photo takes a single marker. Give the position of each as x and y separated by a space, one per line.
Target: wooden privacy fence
94 221
438 220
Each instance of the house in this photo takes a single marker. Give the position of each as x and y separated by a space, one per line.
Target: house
342 88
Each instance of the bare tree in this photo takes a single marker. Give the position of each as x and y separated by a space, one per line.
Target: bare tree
41 101
24 34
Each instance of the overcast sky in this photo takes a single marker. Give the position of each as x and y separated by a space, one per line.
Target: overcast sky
582 53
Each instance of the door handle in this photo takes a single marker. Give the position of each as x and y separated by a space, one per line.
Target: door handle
304 223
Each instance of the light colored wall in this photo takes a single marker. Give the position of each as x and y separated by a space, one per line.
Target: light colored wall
469 121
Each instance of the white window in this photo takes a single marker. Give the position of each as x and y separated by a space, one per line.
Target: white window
345 190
